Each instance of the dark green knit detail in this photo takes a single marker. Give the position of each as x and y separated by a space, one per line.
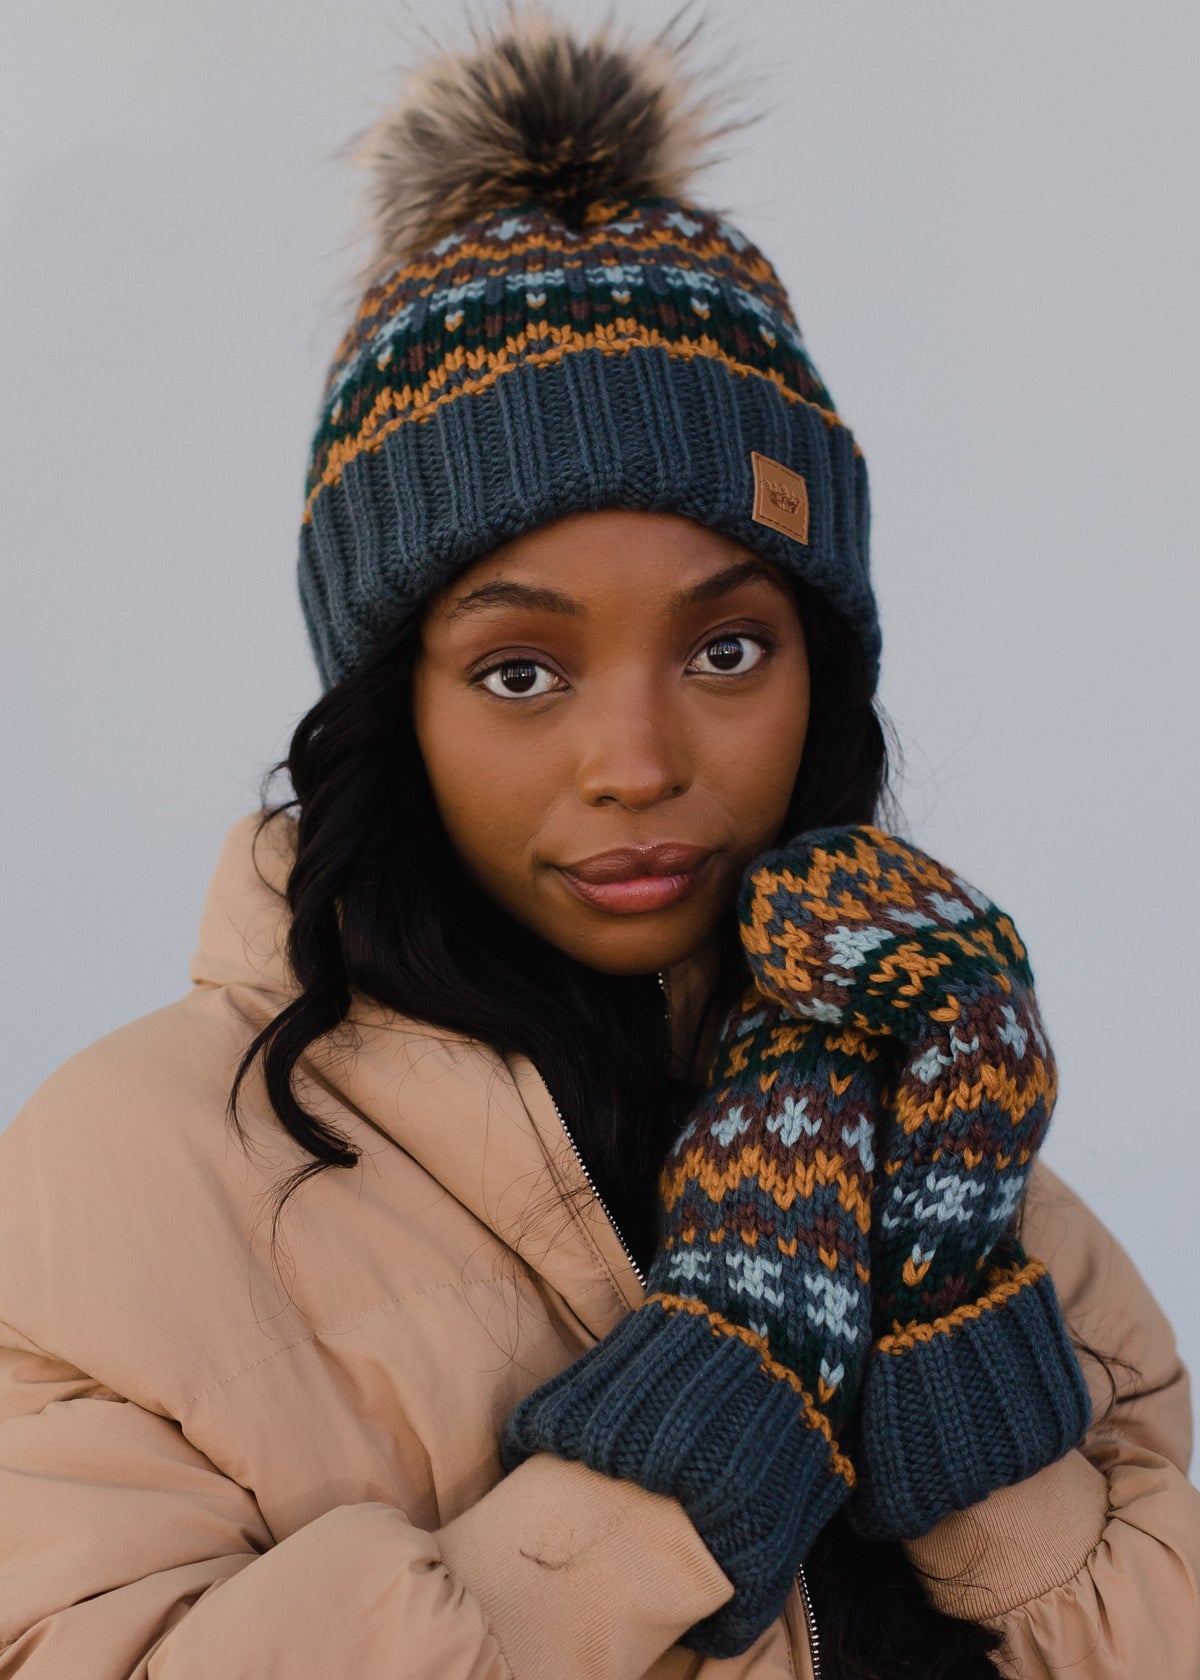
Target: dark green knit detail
505 289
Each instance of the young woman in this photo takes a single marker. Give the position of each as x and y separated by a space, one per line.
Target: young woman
586 1217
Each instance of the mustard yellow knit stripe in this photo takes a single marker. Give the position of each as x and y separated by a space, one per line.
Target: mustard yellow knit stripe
1006 1282
782 1183
394 408
722 1326
991 1083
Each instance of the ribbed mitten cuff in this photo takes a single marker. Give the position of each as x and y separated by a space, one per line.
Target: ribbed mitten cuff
978 1401
668 1401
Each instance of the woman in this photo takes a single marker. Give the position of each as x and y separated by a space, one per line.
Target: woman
631 1253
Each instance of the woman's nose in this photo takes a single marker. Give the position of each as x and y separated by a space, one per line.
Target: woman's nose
632 752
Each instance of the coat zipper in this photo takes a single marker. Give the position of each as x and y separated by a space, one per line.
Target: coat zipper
592 1186
583 1166
810 1620
810 1623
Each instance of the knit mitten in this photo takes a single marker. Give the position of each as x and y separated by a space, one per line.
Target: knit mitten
972 1383
729 1387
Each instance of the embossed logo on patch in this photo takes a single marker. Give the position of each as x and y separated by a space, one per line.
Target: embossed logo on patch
780 497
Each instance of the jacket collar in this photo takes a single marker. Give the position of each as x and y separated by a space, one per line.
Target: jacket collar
487 1131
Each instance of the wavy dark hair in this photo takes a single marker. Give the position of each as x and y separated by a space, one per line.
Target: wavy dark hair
380 905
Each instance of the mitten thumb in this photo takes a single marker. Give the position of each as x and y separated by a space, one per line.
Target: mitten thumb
854 926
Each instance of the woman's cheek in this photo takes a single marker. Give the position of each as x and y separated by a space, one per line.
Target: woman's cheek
753 772
490 784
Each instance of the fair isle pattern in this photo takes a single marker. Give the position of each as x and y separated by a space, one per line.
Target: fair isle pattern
765 1196
854 928
521 289
1002 1282
751 1364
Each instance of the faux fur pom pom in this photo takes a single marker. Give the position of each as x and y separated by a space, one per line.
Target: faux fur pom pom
533 112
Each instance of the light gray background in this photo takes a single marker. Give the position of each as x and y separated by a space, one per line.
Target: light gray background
986 217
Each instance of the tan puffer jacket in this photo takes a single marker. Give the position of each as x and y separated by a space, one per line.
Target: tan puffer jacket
216 1466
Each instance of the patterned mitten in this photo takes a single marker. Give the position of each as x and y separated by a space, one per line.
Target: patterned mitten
972 1383
729 1387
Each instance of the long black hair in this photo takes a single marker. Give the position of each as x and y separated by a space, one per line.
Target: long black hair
380 905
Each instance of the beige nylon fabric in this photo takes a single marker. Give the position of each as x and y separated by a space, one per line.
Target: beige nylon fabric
216 1460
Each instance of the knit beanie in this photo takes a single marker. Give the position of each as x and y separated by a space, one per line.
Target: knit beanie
552 326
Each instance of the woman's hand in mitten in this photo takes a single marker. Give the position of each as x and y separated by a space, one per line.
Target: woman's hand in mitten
729 1387
972 1383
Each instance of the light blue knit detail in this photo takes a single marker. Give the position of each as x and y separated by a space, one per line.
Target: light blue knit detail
732 1125
831 1305
793 1118
1012 1032
541 279
687 227
852 946
941 1195
818 1009
861 1139
689 1264
509 228
929 1064
831 1375
1007 1197
980 900
736 239
910 918
953 909
750 1273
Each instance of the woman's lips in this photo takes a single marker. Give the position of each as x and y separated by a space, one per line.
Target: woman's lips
635 879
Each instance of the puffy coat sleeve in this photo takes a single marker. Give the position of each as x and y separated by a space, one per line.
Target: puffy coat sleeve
1091 1568
124 1552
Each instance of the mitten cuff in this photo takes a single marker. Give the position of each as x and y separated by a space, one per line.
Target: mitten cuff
680 1403
975 1401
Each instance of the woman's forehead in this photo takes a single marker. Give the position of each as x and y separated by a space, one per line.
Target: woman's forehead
609 556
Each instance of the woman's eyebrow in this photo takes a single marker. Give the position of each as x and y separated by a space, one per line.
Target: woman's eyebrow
500 594
537 598
723 582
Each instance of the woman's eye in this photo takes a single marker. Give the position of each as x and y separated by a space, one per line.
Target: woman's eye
518 679
728 654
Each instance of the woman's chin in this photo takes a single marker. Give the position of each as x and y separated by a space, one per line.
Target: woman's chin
634 944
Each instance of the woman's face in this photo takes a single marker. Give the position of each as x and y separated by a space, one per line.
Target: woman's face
611 710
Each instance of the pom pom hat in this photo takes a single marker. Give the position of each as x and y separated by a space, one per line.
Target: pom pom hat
552 326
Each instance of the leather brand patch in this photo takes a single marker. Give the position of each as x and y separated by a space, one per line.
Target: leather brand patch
780 497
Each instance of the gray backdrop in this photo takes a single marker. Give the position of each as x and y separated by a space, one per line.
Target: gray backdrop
987 221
